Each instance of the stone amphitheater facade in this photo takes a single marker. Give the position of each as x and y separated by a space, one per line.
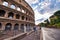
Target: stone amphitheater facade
16 15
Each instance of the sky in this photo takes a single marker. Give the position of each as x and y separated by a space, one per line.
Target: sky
43 9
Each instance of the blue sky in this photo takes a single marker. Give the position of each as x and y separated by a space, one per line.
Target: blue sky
44 8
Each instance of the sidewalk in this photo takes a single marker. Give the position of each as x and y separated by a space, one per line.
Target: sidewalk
33 36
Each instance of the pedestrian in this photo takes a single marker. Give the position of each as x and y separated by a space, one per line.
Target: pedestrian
34 29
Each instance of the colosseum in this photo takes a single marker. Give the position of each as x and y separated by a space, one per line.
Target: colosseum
16 16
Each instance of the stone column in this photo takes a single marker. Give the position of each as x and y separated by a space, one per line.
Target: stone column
24 29
25 18
21 9
3 25
32 28
19 26
14 16
12 26
20 17
9 5
6 14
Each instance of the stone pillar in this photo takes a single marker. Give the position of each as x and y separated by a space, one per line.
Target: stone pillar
21 9
32 28
24 29
19 26
6 14
20 17
12 26
15 7
9 5
25 18
3 26
14 16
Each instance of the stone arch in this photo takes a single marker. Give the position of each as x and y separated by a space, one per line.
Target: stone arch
22 17
13 6
16 27
22 27
8 26
2 13
0 25
17 16
5 3
10 15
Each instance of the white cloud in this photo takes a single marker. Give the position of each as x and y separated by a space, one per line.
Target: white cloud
42 5
32 1
35 7
37 15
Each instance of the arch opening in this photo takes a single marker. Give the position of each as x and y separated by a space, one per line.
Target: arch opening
0 25
17 16
22 17
2 13
5 3
13 6
8 26
22 27
10 15
16 26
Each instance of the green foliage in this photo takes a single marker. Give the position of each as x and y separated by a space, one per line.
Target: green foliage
55 21
42 25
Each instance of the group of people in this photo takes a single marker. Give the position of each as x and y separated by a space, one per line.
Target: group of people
36 28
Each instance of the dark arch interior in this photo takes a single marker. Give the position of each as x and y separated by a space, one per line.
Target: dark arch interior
8 26
17 16
0 25
26 18
2 13
22 17
10 15
22 27
16 26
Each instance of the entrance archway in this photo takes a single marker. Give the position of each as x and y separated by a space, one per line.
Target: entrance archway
16 26
22 27
8 26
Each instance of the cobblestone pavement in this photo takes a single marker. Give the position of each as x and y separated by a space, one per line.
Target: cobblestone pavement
33 36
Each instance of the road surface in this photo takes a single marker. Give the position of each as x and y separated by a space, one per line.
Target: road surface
51 34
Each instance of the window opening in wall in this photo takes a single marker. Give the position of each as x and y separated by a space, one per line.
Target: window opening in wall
13 6
2 13
17 16
10 15
5 3
0 25
26 18
18 9
23 11
22 17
